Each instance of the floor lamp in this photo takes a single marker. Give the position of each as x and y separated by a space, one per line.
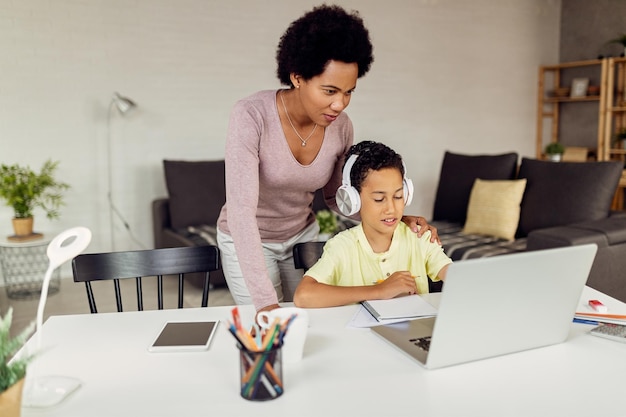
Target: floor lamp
123 105
41 390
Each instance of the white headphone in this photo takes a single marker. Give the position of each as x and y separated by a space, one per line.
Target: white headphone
347 197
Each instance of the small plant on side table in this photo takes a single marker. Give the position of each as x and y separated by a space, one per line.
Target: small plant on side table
24 190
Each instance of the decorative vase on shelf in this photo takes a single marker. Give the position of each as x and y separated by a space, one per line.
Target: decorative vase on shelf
554 151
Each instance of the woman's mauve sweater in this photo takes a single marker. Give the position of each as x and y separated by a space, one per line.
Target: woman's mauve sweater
268 192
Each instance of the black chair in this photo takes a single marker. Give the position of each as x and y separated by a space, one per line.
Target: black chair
306 254
153 263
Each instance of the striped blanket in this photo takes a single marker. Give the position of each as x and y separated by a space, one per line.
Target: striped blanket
458 245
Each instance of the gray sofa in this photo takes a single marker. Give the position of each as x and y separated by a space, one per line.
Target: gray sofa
564 204
187 217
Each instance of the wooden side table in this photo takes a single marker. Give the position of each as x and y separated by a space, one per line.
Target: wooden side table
24 265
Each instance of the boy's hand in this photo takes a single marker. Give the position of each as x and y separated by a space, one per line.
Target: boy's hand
414 221
401 282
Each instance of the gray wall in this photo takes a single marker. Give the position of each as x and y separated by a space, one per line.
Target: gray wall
449 75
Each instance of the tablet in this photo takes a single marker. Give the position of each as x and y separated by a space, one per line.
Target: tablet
184 336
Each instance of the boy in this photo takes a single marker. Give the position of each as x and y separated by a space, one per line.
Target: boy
380 258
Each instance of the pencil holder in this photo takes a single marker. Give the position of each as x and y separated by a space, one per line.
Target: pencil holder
261 373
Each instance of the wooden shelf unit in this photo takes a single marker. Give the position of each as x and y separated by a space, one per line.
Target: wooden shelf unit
548 107
615 118
611 111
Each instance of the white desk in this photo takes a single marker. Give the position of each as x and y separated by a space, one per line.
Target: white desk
344 372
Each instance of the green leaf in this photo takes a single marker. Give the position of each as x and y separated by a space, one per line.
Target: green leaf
12 369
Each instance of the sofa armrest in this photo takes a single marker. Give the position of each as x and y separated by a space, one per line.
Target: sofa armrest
609 234
605 232
171 239
160 221
556 237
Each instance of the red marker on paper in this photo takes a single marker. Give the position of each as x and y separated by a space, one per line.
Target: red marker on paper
598 306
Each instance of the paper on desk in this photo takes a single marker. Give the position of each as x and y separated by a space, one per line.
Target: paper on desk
616 309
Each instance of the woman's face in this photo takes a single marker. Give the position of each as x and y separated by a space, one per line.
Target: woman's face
326 95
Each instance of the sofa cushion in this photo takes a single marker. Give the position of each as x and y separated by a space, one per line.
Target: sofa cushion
458 173
559 236
494 208
196 191
561 193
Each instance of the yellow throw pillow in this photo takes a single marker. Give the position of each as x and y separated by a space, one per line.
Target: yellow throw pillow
494 208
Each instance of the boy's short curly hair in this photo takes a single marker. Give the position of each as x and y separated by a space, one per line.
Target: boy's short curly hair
323 34
372 156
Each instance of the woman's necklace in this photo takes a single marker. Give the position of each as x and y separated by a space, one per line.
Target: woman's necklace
291 123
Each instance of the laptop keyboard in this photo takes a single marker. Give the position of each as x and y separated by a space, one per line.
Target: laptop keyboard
422 342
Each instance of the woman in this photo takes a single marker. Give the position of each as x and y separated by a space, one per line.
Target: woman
282 146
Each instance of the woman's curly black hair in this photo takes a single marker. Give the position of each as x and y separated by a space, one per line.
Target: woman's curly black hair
371 156
325 33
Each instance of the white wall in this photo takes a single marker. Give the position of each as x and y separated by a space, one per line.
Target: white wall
448 75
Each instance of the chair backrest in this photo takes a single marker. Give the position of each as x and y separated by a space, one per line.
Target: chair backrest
306 254
154 263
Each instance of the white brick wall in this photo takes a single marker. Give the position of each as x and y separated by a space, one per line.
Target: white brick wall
449 74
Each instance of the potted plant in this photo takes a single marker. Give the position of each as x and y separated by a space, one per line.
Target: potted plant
620 137
327 221
620 40
12 370
554 151
24 190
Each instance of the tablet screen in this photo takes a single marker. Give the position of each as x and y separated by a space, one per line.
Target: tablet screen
188 335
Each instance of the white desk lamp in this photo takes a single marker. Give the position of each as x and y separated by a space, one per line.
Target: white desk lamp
45 391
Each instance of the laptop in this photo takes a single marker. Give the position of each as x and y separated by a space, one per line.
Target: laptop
498 305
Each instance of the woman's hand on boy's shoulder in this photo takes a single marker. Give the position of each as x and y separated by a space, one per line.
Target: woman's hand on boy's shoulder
414 221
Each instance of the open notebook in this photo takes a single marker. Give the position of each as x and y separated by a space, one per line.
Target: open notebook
498 305
407 307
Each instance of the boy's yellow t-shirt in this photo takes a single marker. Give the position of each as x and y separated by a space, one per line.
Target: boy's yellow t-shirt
348 259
